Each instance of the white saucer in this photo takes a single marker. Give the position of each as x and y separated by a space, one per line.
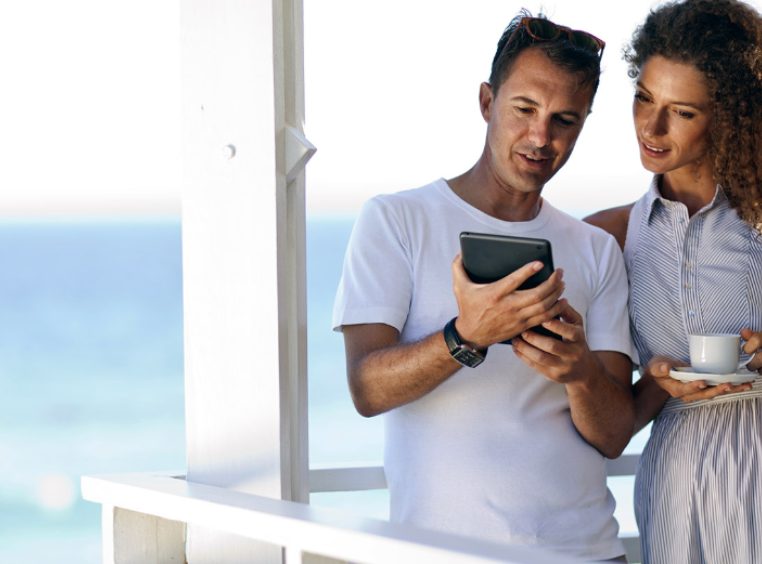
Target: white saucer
686 374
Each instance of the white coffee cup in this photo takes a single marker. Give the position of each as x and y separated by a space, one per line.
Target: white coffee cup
715 354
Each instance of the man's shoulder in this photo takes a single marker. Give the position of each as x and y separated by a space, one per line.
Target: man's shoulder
574 227
425 192
413 201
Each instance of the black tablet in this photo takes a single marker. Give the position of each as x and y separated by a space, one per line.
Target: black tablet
488 257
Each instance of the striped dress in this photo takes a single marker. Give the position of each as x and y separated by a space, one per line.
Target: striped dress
698 489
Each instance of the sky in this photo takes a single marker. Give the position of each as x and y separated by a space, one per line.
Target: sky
90 111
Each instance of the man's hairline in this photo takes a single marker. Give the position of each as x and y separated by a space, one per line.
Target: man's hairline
508 70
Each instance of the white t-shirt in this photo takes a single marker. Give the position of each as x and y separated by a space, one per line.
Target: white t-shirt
492 452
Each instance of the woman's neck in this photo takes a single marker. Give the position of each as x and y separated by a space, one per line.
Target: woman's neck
692 186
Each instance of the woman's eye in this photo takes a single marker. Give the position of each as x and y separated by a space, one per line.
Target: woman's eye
685 115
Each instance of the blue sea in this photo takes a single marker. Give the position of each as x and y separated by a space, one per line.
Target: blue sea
91 375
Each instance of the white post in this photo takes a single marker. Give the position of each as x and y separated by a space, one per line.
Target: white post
136 538
243 258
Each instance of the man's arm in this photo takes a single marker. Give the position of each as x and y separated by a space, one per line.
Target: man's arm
647 400
384 374
602 406
598 383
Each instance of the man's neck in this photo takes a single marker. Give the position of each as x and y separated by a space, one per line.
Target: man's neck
485 193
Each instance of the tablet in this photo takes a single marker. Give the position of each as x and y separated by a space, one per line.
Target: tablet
488 257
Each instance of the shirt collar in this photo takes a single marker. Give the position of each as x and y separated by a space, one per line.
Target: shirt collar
654 198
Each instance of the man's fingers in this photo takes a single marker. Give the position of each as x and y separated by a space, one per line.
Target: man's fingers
528 352
570 324
569 314
563 329
458 270
515 279
547 293
542 313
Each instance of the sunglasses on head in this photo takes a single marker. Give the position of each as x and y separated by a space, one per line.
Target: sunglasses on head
541 29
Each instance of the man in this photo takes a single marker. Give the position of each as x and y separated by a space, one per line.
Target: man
510 449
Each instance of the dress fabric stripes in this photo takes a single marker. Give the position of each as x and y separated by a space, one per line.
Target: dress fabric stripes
698 488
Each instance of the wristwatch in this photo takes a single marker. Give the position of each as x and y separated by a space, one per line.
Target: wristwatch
460 351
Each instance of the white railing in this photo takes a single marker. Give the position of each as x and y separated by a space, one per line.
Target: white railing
144 517
372 478
158 505
357 478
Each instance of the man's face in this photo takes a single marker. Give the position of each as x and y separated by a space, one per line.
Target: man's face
533 122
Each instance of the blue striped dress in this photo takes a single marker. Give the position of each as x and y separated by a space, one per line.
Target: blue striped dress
698 489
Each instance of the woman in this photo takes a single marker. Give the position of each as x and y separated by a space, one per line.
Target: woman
693 249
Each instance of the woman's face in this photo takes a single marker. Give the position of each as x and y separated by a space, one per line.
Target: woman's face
672 114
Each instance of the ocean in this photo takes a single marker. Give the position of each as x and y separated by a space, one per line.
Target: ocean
91 375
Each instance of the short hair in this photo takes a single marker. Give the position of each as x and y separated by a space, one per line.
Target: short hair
561 51
722 39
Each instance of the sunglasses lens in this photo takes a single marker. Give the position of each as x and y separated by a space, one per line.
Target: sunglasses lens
585 41
542 29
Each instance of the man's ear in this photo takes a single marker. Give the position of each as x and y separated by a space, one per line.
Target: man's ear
485 100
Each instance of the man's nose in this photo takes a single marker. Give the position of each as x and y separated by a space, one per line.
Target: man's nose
539 133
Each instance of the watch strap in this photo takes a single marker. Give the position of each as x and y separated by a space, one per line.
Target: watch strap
463 353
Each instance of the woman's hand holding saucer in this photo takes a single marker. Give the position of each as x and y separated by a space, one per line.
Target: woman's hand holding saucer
659 369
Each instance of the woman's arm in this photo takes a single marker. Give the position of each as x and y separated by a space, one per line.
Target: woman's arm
612 220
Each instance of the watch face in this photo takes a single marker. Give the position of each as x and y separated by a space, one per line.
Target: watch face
468 357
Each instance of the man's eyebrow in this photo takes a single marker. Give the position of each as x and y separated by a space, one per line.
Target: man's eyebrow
525 100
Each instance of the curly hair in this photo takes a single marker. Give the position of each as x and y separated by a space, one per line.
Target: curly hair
723 40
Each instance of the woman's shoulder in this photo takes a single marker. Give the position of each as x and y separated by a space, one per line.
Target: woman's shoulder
612 220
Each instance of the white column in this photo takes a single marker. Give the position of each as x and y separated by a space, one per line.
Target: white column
136 538
243 257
